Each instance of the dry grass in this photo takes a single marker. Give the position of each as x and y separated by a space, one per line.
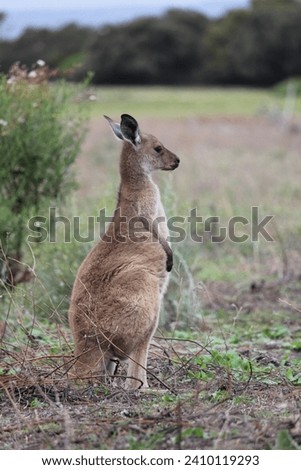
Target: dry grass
41 408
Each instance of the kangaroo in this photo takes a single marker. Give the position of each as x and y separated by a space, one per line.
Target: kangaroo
116 296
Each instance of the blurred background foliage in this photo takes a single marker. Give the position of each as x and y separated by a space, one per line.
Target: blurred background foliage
259 46
40 137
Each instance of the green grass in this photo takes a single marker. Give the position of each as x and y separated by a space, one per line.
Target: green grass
184 102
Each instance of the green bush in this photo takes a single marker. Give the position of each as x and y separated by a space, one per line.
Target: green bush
40 136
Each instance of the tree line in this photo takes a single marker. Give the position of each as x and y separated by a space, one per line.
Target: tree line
258 46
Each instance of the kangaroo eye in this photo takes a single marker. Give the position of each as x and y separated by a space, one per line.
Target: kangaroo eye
158 149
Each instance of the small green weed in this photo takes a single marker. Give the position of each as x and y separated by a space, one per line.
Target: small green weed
278 331
243 400
36 403
169 398
230 360
194 432
284 441
293 376
296 345
218 396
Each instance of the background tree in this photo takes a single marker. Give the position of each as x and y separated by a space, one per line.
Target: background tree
258 46
40 138
165 50
62 48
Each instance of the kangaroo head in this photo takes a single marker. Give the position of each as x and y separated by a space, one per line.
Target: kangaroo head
148 152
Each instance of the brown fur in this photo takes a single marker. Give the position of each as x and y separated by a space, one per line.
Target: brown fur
118 289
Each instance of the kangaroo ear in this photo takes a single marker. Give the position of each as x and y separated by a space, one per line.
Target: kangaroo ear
130 129
115 128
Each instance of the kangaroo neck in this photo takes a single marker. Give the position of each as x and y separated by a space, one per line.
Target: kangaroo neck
133 176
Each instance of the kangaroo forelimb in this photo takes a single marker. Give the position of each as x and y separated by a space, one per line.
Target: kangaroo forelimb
152 227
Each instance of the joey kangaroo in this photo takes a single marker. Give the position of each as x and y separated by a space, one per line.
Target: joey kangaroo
119 287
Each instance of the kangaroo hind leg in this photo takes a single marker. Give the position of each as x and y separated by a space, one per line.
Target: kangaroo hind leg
92 361
137 364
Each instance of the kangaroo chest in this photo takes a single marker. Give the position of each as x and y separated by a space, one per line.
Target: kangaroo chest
146 203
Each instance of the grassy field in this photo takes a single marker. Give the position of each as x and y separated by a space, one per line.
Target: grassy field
159 102
225 364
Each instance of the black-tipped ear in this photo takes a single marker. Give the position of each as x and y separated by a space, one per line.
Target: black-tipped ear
115 128
130 129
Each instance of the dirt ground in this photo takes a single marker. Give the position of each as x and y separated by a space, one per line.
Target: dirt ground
249 397
180 411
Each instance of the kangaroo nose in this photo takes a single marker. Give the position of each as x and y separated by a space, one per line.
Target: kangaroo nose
177 162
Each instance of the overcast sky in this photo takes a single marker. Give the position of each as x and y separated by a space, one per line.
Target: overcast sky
52 14
10 5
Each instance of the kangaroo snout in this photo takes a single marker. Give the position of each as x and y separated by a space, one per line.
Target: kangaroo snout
173 164
176 163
